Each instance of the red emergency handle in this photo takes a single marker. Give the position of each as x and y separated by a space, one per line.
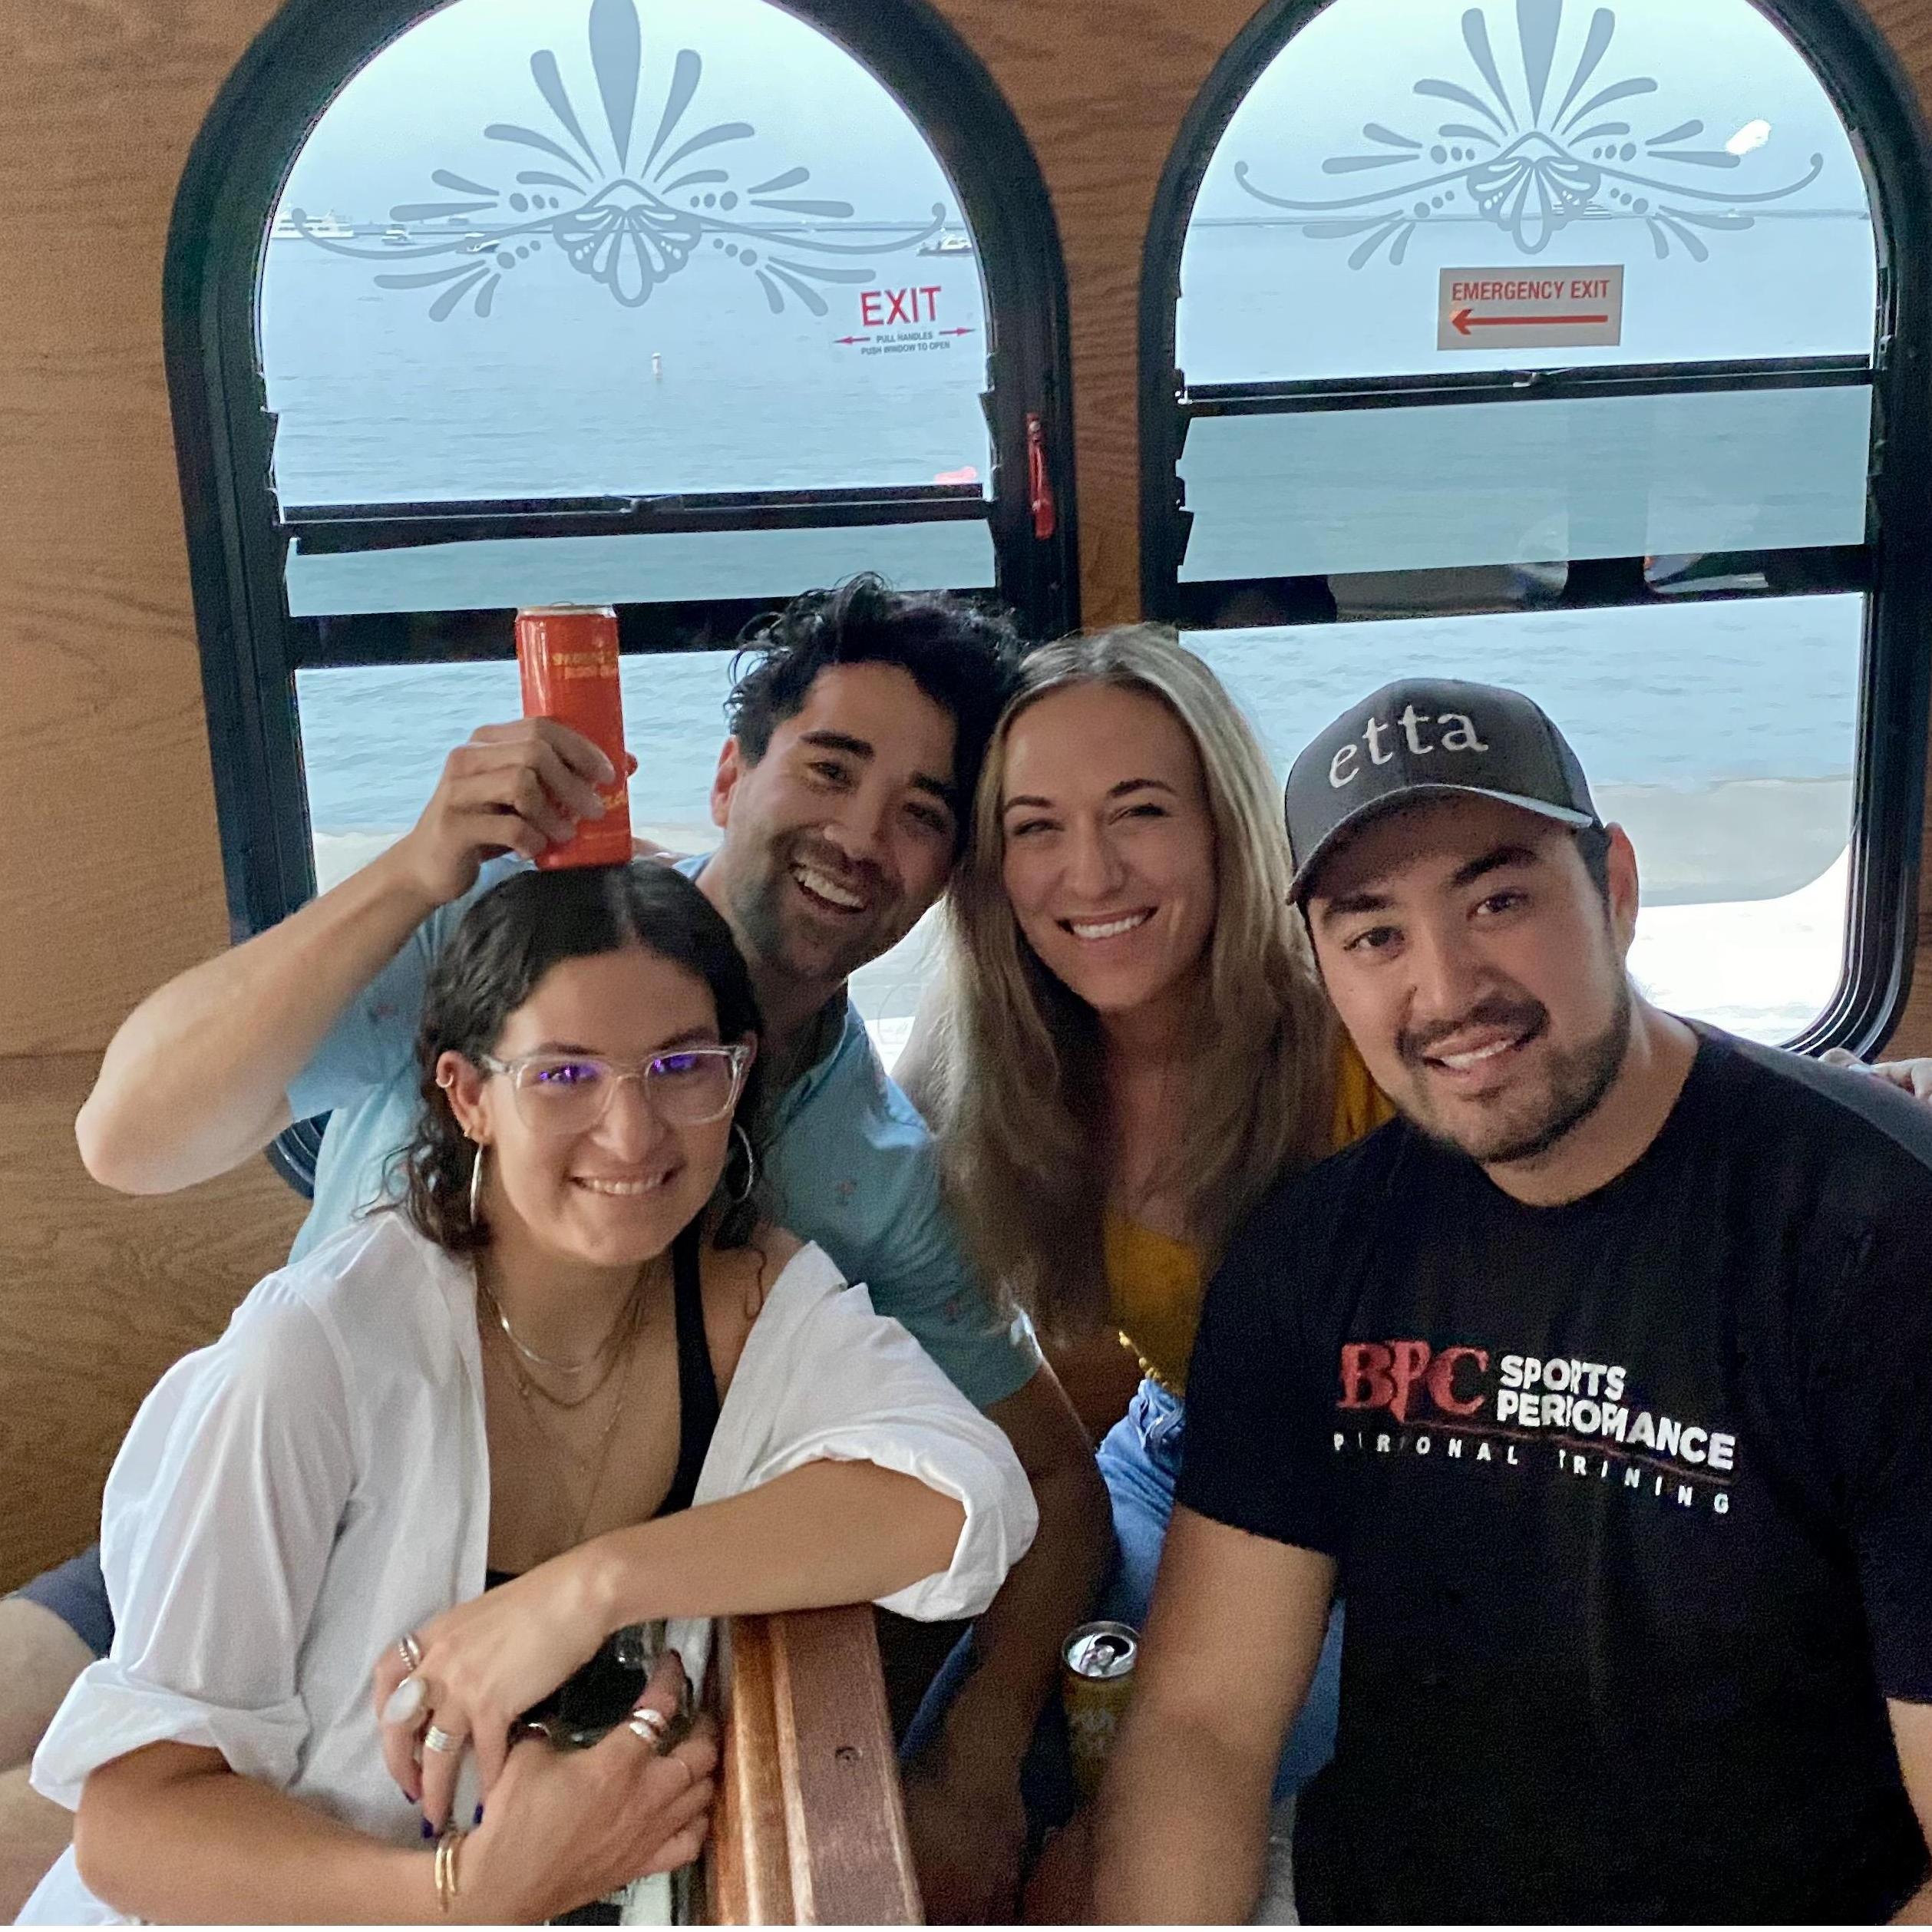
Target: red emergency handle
1039 486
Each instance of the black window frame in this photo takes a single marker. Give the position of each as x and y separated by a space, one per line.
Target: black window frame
238 541
1878 106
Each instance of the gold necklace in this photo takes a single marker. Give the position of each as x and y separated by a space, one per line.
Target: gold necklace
529 1393
600 1450
532 1390
536 1361
622 1329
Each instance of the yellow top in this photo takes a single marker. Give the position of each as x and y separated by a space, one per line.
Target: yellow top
1155 1282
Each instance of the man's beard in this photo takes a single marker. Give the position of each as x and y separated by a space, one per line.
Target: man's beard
771 924
1573 1088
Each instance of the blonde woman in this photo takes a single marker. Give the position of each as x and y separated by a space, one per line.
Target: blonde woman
1135 1047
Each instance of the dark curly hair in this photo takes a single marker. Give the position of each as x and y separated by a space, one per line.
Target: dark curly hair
505 944
964 657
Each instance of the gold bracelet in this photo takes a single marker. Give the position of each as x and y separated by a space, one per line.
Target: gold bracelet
448 1847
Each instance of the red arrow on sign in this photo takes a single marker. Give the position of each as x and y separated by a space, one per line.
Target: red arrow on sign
956 331
1462 321
848 339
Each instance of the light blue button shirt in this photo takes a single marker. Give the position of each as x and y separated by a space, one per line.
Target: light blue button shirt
849 1163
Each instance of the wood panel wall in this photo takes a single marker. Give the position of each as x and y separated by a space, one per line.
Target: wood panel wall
110 868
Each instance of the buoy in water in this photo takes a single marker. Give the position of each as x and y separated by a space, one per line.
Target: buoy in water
657 367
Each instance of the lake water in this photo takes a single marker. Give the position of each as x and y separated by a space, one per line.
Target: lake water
554 392
1670 697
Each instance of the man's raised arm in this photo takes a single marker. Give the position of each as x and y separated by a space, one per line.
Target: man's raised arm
1231 1644
1912 1733
196 1079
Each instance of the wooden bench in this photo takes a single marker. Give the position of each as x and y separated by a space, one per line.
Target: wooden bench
811 1826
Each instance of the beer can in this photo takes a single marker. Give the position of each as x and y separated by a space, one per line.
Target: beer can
1096 1681
567 657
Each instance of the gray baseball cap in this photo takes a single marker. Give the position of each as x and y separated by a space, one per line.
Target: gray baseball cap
1422 738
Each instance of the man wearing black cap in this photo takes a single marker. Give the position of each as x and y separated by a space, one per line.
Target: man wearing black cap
1600 1382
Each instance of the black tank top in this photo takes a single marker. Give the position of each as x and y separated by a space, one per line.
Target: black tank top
601 1692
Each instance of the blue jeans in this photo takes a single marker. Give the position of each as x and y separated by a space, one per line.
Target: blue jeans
1139 1461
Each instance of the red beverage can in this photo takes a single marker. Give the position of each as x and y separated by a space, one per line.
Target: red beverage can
567 655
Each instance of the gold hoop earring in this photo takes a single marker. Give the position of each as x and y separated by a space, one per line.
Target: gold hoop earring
476 1188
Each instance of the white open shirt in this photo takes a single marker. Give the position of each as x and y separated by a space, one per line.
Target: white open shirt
291 1499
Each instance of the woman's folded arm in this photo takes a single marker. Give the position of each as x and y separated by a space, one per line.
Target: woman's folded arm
828 1532
169 1834
833 1381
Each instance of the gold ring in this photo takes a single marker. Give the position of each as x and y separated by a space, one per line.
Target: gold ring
410 1651
436 1739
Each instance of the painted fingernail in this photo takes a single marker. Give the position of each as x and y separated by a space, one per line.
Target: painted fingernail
428 1830
479 1816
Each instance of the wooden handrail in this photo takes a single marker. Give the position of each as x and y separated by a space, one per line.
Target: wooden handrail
811 1825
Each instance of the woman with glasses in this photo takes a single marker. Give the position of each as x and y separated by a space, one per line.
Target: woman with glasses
463 1452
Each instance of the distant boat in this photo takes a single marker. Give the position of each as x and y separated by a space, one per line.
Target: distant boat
396 237
330 227
954 241
283 230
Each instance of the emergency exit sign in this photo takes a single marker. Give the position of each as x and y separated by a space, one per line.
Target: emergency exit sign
1536 308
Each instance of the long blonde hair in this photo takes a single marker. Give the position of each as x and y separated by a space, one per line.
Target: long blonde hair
1025 1140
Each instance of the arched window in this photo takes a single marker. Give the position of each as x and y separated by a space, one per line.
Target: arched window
684 306
1579 347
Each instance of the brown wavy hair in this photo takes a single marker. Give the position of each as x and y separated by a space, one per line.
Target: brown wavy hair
963 655
1025 1142
504 945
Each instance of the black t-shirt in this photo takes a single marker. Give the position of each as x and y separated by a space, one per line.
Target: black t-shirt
1631 1499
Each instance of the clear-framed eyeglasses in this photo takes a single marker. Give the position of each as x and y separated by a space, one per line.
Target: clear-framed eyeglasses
569 1093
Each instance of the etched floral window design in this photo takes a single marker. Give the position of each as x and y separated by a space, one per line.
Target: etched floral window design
1687 139
612 246
629 212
